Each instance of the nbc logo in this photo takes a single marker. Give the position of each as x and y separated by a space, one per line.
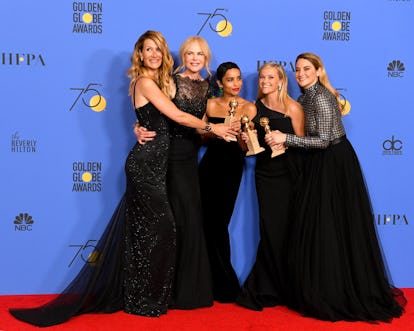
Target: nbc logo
23 222
396 69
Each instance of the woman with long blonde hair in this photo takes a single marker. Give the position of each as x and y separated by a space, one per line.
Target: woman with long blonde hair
192 286
276 176
135 263
335 266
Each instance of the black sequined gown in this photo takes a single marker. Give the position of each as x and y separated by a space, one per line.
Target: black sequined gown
275 182
220 170
192 286
136 253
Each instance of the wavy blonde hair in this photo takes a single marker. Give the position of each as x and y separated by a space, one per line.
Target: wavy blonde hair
323 77
283 93
204 47
137 68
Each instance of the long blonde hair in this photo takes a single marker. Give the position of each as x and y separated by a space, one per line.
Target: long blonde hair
323 77
137 68
204 47
283 92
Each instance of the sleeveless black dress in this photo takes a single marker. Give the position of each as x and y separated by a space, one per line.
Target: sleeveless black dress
275 180
134 268
192 287
220 172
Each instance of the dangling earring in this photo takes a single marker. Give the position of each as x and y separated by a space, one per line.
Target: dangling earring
142 59
279 87
220 91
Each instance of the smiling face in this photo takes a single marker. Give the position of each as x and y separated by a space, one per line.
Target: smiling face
306 73
269 80
231 82
151 55
194 58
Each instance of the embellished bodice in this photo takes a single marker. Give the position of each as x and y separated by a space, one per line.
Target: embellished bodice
191 97
323 122
151 118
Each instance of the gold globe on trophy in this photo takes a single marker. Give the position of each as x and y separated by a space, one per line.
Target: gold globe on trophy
264 122
252 144
230 117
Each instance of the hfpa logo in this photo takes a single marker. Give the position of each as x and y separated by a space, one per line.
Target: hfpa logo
391 219
22 59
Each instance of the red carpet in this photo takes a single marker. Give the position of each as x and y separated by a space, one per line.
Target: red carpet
219 317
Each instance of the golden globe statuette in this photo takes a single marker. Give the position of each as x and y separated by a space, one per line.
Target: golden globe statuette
264 122
252 145
229 118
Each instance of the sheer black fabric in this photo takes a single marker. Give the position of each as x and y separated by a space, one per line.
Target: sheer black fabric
192 287
220 172
136 253
335 267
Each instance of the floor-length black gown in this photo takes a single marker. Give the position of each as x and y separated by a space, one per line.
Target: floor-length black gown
275 180
192 287
336 268
220 171
136 253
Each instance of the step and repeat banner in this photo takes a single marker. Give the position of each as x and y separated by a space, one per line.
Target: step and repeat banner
66 118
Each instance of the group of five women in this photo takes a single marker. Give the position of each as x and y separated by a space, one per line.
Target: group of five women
167 245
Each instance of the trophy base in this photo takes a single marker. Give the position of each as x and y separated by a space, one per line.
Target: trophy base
277 152
255 151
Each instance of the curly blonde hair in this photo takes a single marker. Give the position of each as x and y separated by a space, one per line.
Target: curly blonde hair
137 68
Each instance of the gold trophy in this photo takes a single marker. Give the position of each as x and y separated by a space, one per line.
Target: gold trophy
229 118
252 144
264 122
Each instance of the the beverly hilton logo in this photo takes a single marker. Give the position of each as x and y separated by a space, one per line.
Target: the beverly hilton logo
87 17
22 145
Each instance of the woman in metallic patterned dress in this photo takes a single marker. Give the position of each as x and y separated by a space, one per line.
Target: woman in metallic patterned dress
136 263
335 266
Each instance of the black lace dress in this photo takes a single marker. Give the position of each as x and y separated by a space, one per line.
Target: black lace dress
220 170
192 286
275 184
136 253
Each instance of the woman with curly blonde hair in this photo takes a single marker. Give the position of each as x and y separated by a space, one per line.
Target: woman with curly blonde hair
135 262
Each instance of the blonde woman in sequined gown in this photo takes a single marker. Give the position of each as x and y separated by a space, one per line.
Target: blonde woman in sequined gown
136 264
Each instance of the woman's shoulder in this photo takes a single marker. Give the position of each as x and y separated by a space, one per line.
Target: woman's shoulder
145 82
294 106
248 104
249 108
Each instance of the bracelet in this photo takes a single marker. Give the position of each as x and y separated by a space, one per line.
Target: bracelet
207 128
